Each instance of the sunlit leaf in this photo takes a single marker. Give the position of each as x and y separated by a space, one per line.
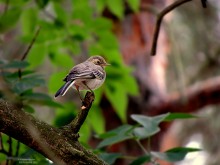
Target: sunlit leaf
134 4
9 19
96 119
130 84
100 5
118 98
37 54
61 14
28 21
56 81
116 7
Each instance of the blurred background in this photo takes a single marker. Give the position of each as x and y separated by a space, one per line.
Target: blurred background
184 69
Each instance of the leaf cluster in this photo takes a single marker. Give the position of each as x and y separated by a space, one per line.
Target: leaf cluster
145 128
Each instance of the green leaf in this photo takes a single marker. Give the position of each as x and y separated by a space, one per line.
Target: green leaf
37 54
36 96
61 60
143 133
9 19
16 65
113 140
98 95
42 3
149 121
130 84
61 14
107 40
175 154
101 23
82 11
134 4
116 7
121 129
28 108
150 125
96 119
28 21
13 76
56 81
117 135
27 83
65 114
141 160
174 116
110 158
85 133
118 98
3 157
100 5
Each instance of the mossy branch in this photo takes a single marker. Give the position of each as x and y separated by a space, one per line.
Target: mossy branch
49 141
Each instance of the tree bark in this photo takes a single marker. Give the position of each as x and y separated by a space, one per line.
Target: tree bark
60 145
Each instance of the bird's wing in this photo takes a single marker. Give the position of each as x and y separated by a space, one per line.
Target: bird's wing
80 71
99 74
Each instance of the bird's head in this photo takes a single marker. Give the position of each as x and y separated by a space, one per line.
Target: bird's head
98 60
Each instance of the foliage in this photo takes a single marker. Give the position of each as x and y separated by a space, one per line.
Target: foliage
70 28
145 128
67 29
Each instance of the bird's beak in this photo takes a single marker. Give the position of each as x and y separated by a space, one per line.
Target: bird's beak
106 64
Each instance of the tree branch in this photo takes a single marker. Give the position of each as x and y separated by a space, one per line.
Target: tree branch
159 20
198 96
46 139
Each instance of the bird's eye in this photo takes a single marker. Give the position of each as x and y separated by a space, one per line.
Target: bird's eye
98 62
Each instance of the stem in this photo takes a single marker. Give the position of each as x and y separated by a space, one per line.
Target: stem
17 148
142 147
159 21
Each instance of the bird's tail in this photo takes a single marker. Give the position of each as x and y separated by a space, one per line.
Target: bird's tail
62 91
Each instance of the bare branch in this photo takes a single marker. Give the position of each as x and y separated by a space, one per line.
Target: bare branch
31 44
28 49
204 3
198 96
159 20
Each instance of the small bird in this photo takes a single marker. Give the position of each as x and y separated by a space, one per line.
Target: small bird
88 75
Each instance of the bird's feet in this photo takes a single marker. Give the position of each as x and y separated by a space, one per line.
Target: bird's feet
89 97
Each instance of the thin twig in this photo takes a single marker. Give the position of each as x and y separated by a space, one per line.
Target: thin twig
17 148
31 44
1 142
10 146
28 49
204 3
159 20
9 153
6 7
142 147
